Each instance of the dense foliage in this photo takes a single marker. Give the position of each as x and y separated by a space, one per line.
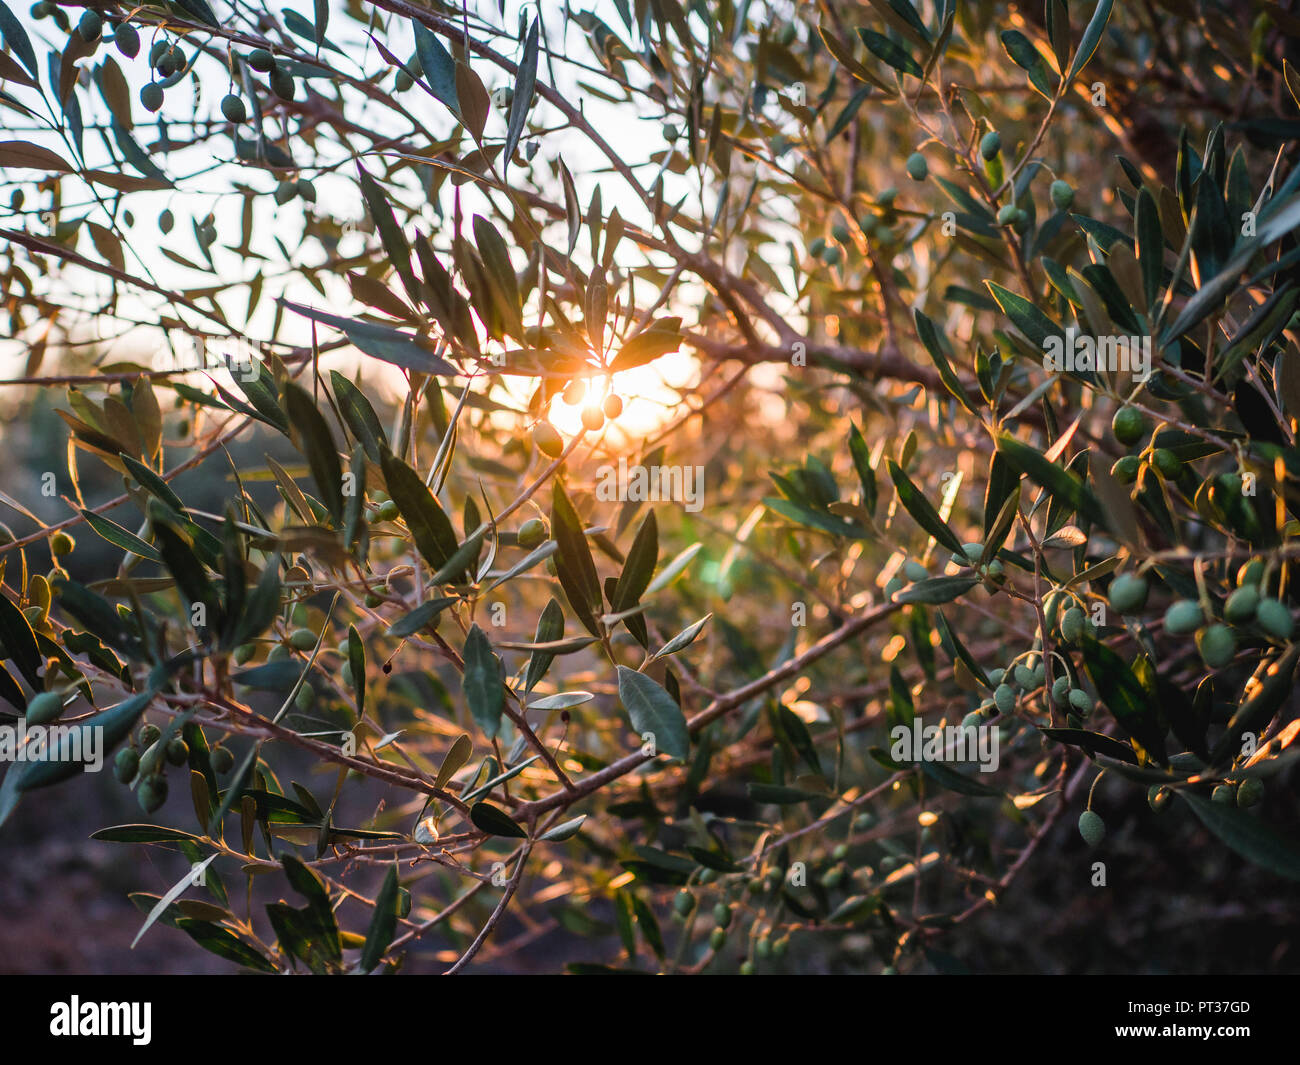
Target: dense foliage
961 338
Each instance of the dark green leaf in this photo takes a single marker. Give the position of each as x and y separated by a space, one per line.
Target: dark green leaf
1246 835
487 818
652 710
315 441
482 684
573 561
1124 696
922 511
435 538
525 85
360 416
383 922
889 52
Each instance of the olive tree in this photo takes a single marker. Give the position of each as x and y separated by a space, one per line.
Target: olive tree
655 447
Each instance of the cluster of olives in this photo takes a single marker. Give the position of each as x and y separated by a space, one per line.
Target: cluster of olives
298 639
300 188
169 62
733 886
1248 605
911 571
990 149
593 416
1129 427
145 763
875 227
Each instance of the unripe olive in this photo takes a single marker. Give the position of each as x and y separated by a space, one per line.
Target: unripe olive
244 652
840 232
277 652
1250 791
718 938
816 248
148 735
684 902
917 168
1217 645
1061 690
1072 624
914 571
548 440
1241 605
282 84
43 707
1008 214
1169 464
1081 700
345 674
261 60
575 392
1229 484
178 751
126 764
1062 195
1053 602
832 877
90 25
972 720
763 948
1128 593
1126 469
127 39
402 81
389 511
1159 796
612 405
1224 795
151 96
152 793
1005 698
532 533
990 145
171 61
1024 676
373 599
1092 828
893 586
222 760
722 915
1274 618
233 108
305 698
1128 425
831 255
593 418
1251 573
302 639
1183 617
